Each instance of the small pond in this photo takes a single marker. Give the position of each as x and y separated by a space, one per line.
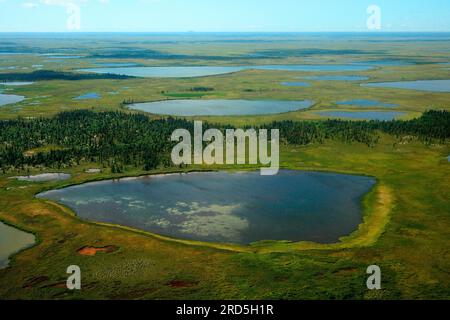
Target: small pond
295 84
88 96
421 85
363 115
387 63
366 103
15 84
45 177
10 99
337 78
12 240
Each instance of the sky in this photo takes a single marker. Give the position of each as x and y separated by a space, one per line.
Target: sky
224 15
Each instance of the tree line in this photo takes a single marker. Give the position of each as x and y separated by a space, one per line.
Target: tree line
432 126
118 139
43 75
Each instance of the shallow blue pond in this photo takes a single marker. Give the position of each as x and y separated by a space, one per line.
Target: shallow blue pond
15 84
295 84
220 107
12 240
10 99
88 96
421 85
337 78
202 71
367 103
363 115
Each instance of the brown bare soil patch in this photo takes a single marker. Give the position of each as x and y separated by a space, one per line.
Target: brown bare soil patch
92 251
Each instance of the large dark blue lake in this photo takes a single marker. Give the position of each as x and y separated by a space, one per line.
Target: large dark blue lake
227 207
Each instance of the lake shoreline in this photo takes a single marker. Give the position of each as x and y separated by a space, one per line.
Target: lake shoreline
20 228
345 241
220 107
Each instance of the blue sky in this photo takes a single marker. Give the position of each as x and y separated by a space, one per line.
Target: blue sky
220 15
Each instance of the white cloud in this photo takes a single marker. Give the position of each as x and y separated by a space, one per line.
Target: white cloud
66 3
63 3
72 7
29 5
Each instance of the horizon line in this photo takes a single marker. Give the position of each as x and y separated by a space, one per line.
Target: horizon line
216 32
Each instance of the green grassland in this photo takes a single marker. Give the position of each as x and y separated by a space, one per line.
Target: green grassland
49 97
405 232
406 216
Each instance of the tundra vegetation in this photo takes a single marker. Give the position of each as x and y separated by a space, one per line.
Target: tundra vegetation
406 216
